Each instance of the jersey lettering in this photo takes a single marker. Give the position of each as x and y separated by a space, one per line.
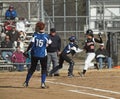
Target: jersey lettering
39 43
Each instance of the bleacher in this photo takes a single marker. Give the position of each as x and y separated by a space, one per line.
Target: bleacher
10 66
29 31
6 66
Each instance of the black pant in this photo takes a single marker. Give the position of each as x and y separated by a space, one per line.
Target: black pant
64 57
34 62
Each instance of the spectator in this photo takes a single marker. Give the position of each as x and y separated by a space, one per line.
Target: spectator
53 50
8 25
20 44
6 52
10 14
18 58
27 23
103 56
20 25
22 35
13 34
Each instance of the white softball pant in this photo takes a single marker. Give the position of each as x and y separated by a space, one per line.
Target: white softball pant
88 60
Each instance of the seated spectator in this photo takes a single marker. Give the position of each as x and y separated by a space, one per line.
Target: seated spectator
8 25
6 52
102 56
20 25
27 23
10 14
20 44
22 35
18 58
13 34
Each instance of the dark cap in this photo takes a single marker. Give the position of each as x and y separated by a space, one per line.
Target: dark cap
52 30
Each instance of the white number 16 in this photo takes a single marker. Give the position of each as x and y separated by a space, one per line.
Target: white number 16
39 42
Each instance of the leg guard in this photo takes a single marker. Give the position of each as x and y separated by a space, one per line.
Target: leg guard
70 69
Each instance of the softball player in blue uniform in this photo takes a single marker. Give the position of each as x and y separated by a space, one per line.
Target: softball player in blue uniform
90 50
69 49
38 45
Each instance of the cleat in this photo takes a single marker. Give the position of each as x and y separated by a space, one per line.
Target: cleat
50 75
70 75
56 74
25 84
81 74
43 86
96 66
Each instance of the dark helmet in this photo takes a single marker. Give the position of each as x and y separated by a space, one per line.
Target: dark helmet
89 32
72 38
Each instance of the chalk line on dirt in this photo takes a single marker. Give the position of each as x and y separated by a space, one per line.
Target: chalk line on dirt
90 88
96 89
101 96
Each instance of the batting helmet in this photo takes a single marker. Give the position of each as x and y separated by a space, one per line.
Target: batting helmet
89 32
72 38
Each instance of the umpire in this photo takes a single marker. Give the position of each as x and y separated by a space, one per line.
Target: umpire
53 50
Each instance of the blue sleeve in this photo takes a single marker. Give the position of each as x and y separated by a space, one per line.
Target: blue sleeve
7 14
15 14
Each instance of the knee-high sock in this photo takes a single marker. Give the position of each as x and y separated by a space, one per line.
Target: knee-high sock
43 78
29 75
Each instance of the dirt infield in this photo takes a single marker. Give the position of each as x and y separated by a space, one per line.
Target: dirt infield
102 84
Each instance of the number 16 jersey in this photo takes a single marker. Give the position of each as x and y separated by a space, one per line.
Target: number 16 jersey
39 43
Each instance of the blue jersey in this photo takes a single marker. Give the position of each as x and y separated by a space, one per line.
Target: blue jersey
69 47
39 41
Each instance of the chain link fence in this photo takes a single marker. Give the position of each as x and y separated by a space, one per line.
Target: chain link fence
69 17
